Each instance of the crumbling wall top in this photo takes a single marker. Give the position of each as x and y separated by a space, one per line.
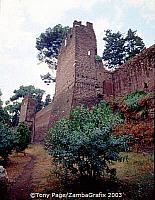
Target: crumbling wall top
79 23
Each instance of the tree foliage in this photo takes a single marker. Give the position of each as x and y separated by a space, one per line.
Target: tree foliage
114 51
120 48
13 110
134 44
48 100
13 106
48 43
84 144
4 116
1 103
24 135
27 90
8 140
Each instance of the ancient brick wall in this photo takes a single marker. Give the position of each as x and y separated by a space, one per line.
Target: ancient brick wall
105 83
61 106
41 123
82 80
136 74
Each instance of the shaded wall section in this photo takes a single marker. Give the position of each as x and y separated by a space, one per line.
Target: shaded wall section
41 124
137 74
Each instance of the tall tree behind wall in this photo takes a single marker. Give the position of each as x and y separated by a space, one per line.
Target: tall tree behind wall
120 48
48 44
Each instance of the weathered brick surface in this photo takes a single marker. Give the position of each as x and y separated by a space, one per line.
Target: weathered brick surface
137 74
41 124
82 80
27 109
85 65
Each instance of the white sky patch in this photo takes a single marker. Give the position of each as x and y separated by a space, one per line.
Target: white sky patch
119 13
147 7
100 25
49 11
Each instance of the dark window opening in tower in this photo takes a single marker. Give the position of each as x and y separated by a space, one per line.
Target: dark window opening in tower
95 51
145 85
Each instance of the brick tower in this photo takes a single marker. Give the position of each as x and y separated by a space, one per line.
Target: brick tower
27 112
77 72
76 77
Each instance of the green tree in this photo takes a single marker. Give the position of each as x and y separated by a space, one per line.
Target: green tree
13 110
4 116
8 140
26 90
118 49
84 144
24 135
13 106
1 103
48 100
114 51
134 44
48 44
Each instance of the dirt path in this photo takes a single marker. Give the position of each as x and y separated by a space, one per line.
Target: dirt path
21 189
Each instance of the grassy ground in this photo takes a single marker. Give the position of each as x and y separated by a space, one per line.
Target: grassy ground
136 175
42 178
138 167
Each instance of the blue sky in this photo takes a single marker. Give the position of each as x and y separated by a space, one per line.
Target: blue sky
21 21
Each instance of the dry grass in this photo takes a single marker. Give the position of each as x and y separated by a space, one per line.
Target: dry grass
138 168
16 165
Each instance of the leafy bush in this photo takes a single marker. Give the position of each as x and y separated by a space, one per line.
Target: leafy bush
132 100
4 116
24 135
84 144
8 140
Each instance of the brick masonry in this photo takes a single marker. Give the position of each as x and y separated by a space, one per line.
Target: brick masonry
82 80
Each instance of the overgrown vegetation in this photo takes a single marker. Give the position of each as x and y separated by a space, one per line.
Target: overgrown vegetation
8 140
135 107
84 145
24 135
132 100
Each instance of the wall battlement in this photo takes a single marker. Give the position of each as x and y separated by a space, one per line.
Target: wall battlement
82 80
